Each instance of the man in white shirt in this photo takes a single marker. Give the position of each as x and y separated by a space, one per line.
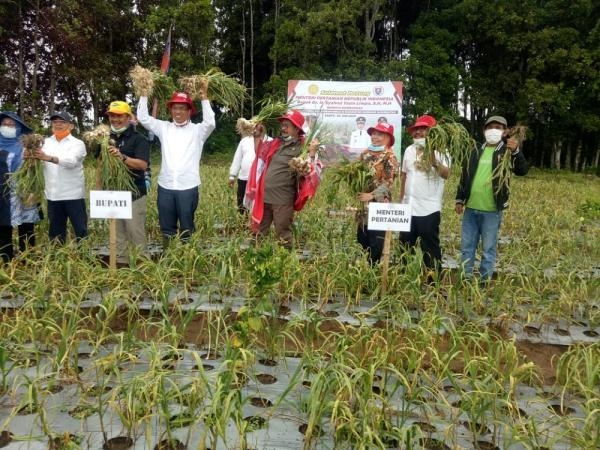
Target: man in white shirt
181 147
422 186
359 139
63 156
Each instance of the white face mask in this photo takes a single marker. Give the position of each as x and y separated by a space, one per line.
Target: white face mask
419 141
493 136
8 132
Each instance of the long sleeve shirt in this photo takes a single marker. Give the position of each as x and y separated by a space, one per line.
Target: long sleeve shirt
65 180
181 146
243 158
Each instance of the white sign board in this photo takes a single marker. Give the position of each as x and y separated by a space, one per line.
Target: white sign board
347 110
389 216
110 204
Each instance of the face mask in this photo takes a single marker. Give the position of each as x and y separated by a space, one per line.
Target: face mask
8 132
376 148
493 136
118 130
286 138
419 141
59 135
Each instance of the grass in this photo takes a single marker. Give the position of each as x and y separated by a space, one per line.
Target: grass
427 342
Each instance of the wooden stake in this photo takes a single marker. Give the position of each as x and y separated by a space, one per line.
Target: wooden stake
386 261
112 243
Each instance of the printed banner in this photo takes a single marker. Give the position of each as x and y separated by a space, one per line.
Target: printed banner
347 110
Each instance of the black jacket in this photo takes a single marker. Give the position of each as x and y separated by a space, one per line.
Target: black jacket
519 164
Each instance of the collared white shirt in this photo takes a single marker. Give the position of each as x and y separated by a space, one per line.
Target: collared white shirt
181 147
423 190
65 180
243 158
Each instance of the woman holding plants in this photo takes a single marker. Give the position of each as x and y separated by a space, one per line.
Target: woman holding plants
383 166
13 212
483 194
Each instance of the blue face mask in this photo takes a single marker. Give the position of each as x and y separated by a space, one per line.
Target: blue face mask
376 148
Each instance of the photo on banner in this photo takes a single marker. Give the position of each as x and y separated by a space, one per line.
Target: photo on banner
347 110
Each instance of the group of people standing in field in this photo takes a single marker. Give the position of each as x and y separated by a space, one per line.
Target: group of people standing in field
480 196
266 186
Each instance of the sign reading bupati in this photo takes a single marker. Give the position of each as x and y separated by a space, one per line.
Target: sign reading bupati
110 204
347 110
389 216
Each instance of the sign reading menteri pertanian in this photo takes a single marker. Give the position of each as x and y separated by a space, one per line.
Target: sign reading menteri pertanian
110 204
389 216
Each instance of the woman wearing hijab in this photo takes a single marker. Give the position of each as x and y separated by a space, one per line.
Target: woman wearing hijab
380 158
13 213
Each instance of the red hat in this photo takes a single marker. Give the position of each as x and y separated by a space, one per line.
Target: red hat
423 121
384 128
296 117
182 97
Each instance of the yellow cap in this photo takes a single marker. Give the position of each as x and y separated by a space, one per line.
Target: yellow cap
119 107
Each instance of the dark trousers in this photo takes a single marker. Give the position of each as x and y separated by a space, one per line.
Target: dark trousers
176 211
241 191
371 241
58 213
26 239
427 229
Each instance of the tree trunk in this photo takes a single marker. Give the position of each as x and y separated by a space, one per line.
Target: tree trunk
21 76
557 150
35 97
577 162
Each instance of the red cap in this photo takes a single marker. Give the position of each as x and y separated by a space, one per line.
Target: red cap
296 117
384 128
182 97
423 121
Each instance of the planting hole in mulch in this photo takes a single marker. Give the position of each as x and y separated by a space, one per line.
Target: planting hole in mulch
240 380
425 427
255 423
316 430
331 313
64 441
118 443
184 419
172 356
476 427
210 355
95 390
55 388
433 444
485 445
84 355
206 367
170 444
184 300
562 332
26 410
168 366
267 362
377 390
531 330
5 438
562 410
265 378
82 411
591 333
261 402
306 384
